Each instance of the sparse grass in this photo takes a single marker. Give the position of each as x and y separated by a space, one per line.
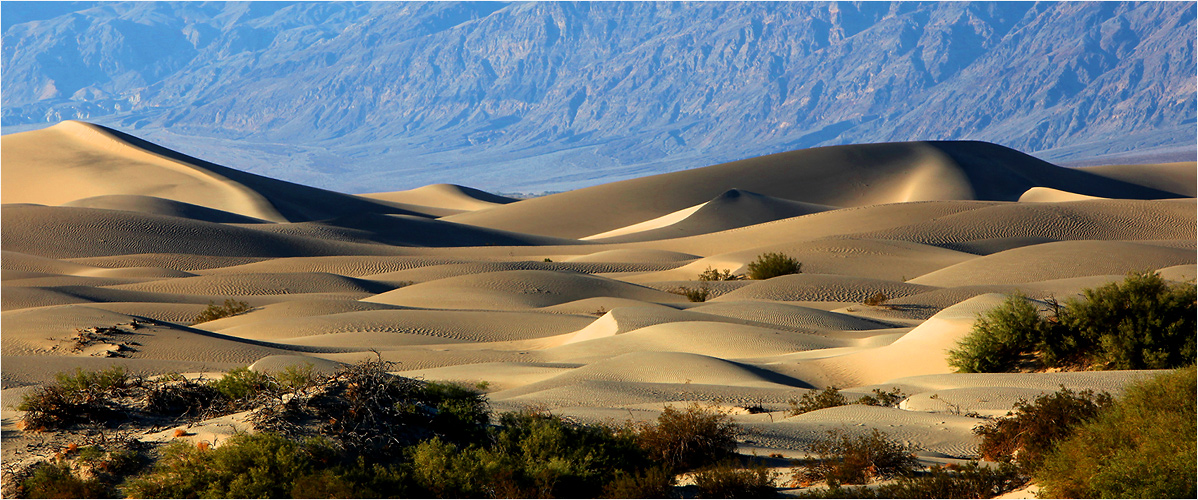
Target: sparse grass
1141 447
77 398
769 265
693 294
1031 430
729 480
966 481
831 397
214 312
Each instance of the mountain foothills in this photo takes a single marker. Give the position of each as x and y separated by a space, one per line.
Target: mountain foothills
379 96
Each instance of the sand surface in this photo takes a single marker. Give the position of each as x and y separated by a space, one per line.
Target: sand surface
565 301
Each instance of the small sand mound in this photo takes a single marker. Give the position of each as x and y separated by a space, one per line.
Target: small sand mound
697 337
788 315
638 256
449 196
259 284
732 209
161 206
1050 195
821 287
473 326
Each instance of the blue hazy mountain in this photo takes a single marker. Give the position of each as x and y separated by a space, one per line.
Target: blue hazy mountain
531 96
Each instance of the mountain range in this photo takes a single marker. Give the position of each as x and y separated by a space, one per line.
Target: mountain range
380 96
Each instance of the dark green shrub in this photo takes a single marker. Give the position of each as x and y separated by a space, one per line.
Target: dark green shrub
717 275
1031 430
731 481
461 412
689 439
113 379
813 400
51 480
215 312
842 459
769 265
1141 447
1001 339
1141 323
966 481
654 482
295 378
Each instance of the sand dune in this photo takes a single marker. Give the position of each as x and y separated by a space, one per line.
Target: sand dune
102 230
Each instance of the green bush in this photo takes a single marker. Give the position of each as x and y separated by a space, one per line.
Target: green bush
769 265
890 398
461 412
1141 447
1031 430
718 275
813 400
295 378
55 480
966 481
82 397
842 459
731 481
654 482
215 312
689 439
1001 339
1140 323
241 384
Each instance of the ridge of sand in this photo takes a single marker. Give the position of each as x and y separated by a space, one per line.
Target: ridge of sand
1050 195
444 196
844 176
1178 177
655 223
161 206
822 287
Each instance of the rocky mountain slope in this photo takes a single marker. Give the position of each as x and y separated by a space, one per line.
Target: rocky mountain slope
531 96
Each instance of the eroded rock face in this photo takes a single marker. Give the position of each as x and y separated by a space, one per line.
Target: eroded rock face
621 85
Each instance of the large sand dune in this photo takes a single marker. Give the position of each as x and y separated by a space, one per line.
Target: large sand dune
570 301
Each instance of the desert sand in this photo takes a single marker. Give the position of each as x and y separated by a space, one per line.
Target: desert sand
564 302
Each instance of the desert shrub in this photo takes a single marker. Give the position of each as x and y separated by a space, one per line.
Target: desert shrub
214 312
461 412
241 384
1031 430
445 470
965 481
1141 323
653 482
843 459
813 400
876 299
693 294
76 398
718 275
889 398
728 480
182 398
56 480
294 378
1001 338
1141 447
769 265
689 439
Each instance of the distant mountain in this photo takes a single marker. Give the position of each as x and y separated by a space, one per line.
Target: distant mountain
373 96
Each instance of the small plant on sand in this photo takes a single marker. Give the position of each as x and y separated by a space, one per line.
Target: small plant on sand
890 398
693 294
729 480
77 398
1143 446
214 312
690 438
876 299
814 399
769 265
718 275
243 384
843 459
1031 430
969 480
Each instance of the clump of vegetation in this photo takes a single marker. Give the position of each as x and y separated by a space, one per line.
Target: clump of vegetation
77 398
1031 430
728 480
831 397
1141 323
690 438
654 482
241 384
769 265
970 480
1143 446
718 275
843 459
230 308
876 299
693 294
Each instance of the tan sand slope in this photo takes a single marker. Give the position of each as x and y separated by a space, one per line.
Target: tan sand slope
837 176
515 290
445 196
1179 177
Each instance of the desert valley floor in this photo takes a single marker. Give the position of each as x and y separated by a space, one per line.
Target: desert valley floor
564 302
